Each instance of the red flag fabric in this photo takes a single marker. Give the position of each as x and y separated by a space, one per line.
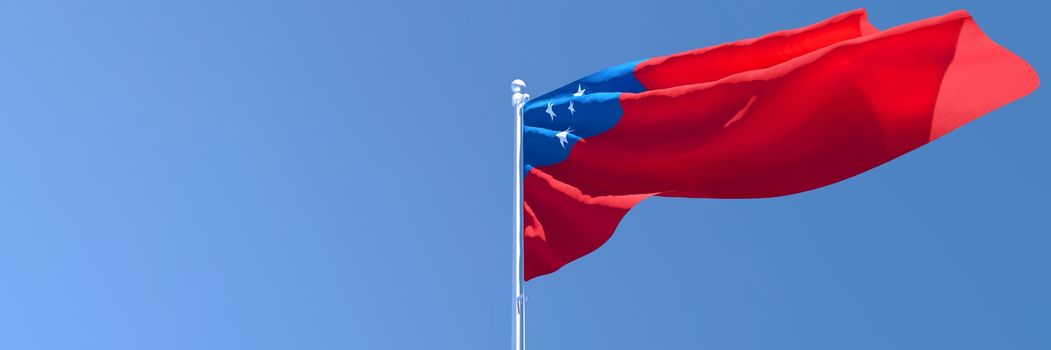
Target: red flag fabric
782 114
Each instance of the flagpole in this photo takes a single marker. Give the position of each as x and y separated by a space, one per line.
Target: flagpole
518 100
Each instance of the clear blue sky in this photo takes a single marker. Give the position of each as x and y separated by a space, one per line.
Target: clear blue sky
337 175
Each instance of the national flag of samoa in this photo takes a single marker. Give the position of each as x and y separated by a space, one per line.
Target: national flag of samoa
781 114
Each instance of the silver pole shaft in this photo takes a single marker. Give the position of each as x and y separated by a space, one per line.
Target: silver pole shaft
518 100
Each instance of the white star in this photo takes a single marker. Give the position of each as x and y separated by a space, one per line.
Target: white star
562 137
571 109
580 91
550 112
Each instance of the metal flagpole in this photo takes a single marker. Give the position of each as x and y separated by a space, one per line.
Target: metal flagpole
519 100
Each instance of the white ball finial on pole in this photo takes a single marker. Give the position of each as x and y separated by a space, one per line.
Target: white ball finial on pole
520 97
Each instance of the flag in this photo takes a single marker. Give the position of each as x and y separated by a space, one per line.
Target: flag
781 114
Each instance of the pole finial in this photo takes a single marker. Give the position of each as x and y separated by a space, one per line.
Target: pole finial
519 98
